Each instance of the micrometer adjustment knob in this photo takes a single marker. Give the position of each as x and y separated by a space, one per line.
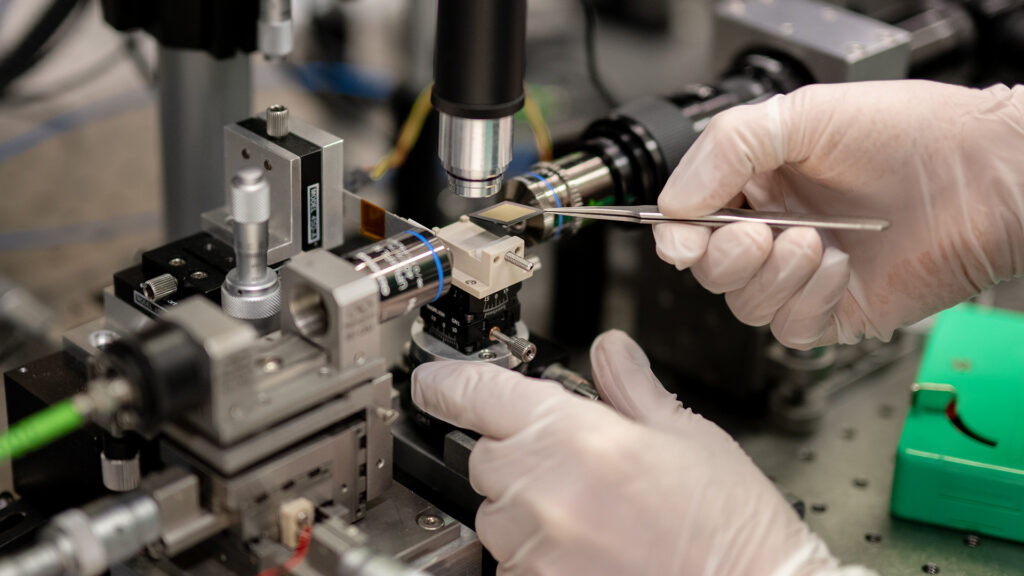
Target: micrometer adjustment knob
251 290
250 196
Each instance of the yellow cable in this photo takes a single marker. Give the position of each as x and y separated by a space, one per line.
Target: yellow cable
541 132
407 135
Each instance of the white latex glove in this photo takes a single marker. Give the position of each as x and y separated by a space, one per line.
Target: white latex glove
575 488
944 163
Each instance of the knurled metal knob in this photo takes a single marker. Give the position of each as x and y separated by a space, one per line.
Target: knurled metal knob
521 348
251 290
277 121
250 196
251 303
120 475
160 287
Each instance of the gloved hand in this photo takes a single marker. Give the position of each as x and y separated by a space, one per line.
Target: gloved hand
944 163
575 488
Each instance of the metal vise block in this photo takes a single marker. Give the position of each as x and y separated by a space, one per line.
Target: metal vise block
328 302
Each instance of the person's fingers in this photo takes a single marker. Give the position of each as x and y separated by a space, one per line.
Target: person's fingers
795 256
736 144
681 245
503 527
623 376
763 192
735 253
808 318
491 400
497 465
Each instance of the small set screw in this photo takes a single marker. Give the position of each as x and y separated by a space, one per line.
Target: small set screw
430 522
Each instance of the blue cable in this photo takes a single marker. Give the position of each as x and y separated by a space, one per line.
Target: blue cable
437 262
347 79
558 202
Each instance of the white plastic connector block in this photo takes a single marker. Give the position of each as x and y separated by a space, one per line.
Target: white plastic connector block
293 516
478 258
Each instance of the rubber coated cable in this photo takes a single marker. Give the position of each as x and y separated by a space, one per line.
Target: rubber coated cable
82 78
34 46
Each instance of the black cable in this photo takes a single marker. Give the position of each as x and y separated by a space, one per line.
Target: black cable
36 43
590 30
82 78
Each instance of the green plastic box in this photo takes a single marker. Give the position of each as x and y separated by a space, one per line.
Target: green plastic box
962 465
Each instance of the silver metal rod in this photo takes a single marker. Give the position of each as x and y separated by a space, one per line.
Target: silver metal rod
250 251
519 262
571 381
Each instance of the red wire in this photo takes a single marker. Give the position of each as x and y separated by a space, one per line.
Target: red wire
296 559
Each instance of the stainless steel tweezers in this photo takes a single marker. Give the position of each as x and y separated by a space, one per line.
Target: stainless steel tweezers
649 214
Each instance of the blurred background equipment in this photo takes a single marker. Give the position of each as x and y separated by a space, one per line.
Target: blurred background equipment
215 379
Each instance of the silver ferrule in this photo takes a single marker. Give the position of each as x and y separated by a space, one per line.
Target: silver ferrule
475 154
251 252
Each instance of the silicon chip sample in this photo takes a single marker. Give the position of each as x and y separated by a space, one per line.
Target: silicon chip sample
504 215
372 220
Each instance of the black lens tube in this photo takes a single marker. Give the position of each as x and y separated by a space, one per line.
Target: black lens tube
481 58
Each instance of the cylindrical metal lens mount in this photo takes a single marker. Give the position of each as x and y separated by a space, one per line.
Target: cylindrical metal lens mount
577 179
626 158
475 153
411 268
